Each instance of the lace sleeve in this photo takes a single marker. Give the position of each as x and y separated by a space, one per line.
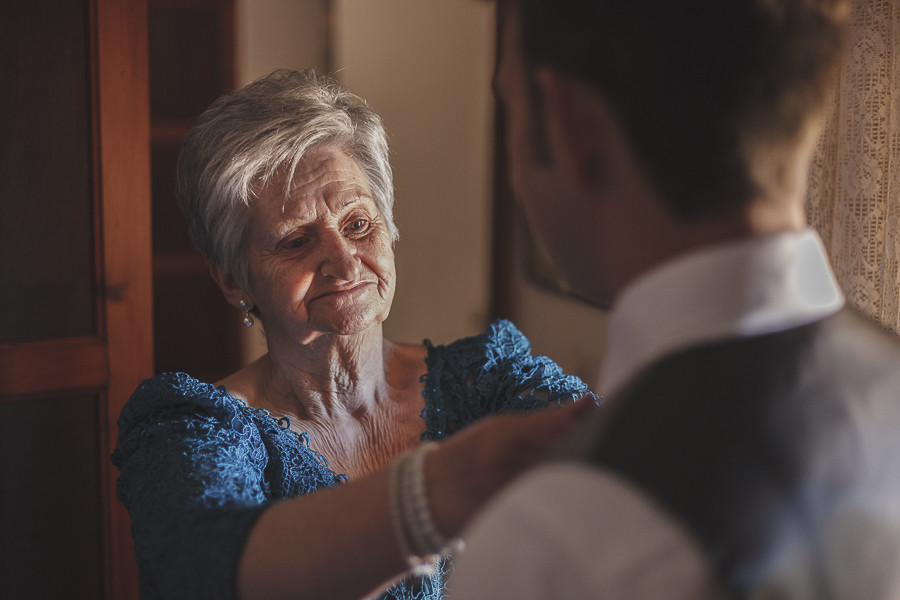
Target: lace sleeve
489 373
192 480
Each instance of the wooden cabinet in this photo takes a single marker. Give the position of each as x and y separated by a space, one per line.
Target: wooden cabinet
75 275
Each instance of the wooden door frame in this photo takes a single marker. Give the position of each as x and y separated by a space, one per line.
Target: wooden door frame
123 133
110 363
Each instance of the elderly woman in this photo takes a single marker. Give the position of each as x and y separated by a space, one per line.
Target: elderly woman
313 472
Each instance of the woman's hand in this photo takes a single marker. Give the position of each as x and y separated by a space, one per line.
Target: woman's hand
464 471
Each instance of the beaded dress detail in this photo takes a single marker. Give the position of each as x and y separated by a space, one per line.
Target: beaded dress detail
198 467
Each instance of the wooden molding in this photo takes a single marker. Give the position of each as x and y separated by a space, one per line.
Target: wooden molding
52 367
122 80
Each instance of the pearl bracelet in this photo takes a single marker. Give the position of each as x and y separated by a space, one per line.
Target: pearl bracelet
417 536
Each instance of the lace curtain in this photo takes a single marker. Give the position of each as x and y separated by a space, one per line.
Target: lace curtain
853 198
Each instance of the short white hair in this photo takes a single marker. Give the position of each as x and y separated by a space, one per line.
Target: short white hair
239 143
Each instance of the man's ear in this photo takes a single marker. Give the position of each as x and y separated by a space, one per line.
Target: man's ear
231 289
579 130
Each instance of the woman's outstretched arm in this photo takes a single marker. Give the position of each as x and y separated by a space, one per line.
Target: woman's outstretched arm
340 543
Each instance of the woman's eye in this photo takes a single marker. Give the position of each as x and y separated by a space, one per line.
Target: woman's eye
358 226
295 243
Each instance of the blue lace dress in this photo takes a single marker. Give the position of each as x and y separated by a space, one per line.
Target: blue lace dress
198 467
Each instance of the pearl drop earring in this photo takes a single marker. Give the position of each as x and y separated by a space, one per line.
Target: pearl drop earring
248 319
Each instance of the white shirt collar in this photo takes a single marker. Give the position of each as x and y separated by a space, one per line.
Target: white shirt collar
751 287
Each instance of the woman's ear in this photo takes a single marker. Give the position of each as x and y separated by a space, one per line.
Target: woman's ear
230 287
579 126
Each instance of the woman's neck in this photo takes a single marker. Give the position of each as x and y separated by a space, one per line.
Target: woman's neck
358 397
333 376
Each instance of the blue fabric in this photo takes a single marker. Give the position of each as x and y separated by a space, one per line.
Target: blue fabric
198 467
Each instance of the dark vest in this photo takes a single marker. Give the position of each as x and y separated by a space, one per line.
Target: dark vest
753 443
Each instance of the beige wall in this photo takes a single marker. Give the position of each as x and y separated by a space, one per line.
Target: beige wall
273 34
425 66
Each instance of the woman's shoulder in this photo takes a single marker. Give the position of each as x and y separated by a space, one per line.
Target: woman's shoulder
187 416
170 389
501 340
174 412
175 392
494 371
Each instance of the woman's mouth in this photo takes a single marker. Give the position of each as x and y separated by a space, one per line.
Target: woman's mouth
346 291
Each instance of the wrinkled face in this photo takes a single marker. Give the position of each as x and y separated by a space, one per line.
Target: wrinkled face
320 260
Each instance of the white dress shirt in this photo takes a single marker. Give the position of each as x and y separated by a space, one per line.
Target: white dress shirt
745 288
571 531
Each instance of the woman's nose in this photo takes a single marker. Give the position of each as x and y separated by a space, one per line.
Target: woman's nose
339 258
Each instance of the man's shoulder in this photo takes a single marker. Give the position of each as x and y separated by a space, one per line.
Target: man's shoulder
870 341
785 388
845 347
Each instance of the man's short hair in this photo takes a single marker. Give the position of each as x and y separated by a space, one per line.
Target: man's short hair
701 87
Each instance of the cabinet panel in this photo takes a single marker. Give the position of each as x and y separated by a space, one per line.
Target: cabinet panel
190 56
75 288
50 501
46 187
